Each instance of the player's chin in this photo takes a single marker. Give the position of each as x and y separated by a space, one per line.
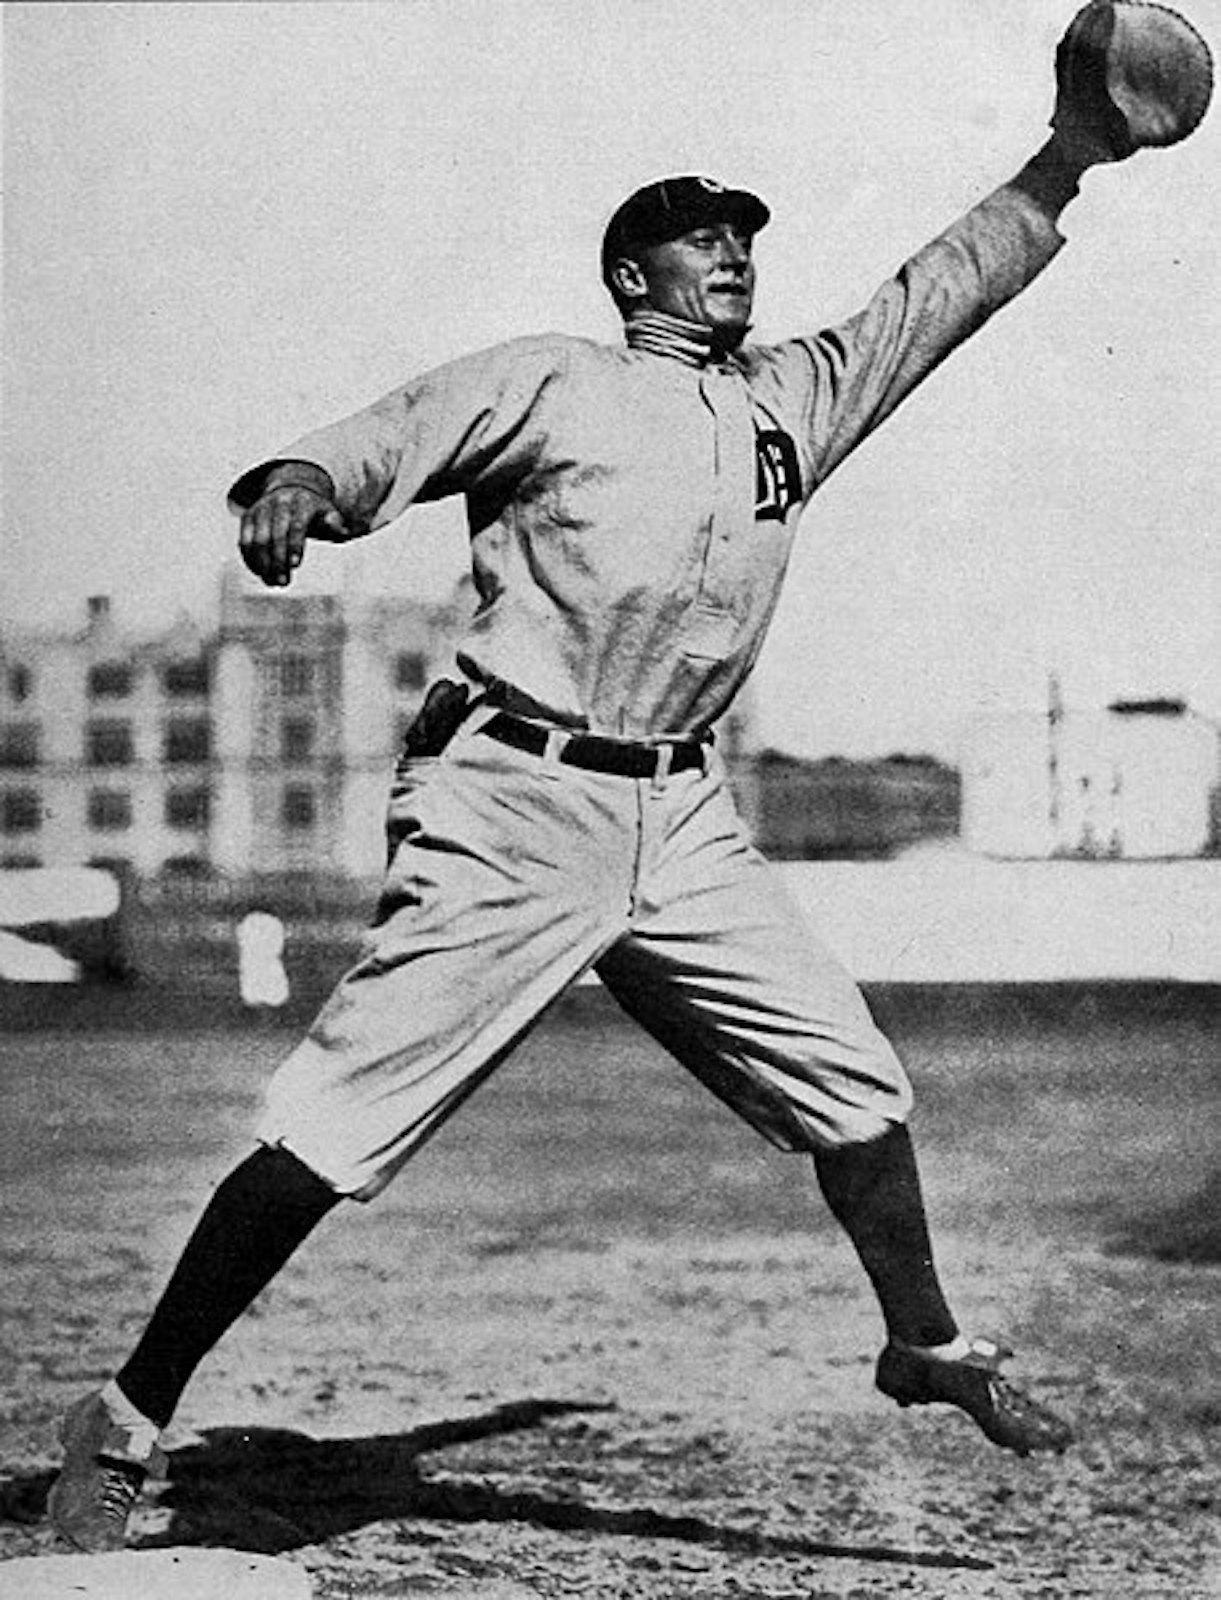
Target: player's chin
728 315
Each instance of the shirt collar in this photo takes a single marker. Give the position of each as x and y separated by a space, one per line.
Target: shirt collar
663 335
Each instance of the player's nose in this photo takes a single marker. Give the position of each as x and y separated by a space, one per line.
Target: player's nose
734 248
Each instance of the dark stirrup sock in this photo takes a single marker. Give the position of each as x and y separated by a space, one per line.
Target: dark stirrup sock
255 1220
873 1190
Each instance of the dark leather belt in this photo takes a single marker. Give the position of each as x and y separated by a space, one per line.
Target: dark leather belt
624 758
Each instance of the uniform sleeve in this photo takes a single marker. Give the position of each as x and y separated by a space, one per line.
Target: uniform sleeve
854 375
459 428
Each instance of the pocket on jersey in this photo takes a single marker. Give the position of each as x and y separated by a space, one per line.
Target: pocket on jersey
709 632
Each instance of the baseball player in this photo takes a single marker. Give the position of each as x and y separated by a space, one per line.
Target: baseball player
560 804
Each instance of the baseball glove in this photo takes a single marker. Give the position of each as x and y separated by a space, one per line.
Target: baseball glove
1129 75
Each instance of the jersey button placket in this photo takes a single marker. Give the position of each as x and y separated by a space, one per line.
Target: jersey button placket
724 393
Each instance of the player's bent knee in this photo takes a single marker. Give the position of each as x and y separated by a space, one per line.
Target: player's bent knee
863 1127
866 1108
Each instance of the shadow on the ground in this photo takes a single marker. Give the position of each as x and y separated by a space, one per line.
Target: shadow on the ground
272 1491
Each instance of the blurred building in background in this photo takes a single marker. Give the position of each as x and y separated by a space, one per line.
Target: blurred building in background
312 695
259 748
1136 781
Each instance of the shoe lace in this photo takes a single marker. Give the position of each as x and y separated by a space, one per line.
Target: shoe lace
1022 1407
118 1487
1013 1398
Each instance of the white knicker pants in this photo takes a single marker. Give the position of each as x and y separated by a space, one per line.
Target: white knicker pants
510 876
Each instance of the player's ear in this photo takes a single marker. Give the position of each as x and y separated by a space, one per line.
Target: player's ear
628 280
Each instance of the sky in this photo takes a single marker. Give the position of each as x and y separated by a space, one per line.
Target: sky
225 224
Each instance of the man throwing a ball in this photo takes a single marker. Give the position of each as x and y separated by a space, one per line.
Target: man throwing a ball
560 805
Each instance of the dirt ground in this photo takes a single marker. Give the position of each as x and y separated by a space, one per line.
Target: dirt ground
600 1340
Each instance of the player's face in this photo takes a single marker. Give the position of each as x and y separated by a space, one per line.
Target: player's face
705 276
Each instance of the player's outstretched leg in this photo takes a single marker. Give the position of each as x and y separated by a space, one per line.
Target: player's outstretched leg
256 1219
873 1189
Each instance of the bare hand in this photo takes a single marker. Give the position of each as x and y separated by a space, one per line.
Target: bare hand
275 528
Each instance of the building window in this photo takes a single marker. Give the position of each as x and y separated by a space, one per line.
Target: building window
20 811
109 810
181 679
296 739
109 744
18 861
410 670
186 869
187 740
110 680
18 744
20 683
299 807
187 808
296 676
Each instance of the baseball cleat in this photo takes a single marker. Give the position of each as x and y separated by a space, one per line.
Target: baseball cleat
101 1478
974 1384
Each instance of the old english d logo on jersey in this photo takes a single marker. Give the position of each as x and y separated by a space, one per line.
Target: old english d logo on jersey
777 475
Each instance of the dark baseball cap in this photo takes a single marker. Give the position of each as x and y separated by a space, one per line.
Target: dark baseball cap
673 206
